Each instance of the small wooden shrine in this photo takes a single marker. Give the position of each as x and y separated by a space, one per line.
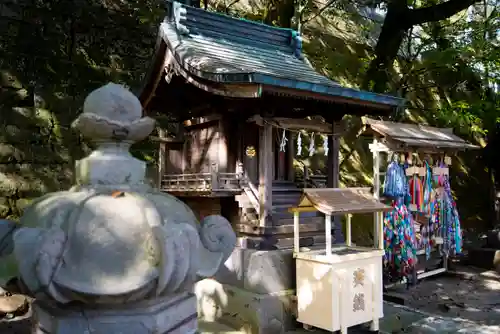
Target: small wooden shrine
236 88
339 286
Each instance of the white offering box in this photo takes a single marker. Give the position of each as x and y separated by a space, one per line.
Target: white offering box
339 286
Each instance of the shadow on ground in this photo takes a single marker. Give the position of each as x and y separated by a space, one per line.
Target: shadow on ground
15 327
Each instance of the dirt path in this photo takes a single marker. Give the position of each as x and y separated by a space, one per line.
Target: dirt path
16 327
473 294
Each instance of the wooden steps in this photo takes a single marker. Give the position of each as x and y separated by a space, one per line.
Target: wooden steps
285 194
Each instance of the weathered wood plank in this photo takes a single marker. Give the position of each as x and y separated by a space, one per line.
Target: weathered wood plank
265 173
291 156
162 156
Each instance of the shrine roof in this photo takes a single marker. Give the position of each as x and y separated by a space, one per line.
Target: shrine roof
221 49
416 136
339 201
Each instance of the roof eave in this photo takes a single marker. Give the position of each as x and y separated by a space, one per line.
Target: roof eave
398 143
263 82
332 90
155 72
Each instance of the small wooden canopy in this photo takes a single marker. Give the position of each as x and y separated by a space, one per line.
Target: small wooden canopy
339 201
416 136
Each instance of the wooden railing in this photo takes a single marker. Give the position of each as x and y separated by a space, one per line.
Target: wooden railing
318 181
249 188
310 181
203 182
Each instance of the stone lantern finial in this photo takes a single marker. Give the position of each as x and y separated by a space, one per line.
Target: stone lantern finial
113 113
112 118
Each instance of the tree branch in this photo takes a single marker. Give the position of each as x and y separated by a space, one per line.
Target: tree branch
234 2
320 11
438 12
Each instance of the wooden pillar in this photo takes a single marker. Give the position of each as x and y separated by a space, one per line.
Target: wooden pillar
290 156
282 161
296 232
239 148
185 163
328 234
162 157
265 173
333 174
222 147
272 155
348 240
333 168
377 217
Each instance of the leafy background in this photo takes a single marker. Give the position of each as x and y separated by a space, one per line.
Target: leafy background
53 53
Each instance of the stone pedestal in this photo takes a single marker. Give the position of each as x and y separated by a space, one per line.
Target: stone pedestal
253 292
173 315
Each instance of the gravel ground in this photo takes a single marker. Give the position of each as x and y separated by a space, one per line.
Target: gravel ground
471 294
15 327
20 325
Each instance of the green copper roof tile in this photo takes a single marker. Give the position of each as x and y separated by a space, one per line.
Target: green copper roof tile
223 49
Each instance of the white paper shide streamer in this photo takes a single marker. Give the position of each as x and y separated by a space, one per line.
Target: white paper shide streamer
299 145
284 140
312 149
325 144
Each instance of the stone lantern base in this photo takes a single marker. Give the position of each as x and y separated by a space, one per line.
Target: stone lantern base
173 315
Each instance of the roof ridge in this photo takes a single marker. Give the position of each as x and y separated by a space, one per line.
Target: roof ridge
187 20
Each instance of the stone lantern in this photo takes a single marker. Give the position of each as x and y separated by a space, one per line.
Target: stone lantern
112 255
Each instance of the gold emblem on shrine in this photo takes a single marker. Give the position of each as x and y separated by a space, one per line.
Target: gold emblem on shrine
250 151
359 277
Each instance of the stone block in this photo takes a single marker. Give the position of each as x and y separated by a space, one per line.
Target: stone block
173 315
259 271
248 312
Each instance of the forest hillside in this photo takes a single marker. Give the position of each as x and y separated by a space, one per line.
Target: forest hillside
442 56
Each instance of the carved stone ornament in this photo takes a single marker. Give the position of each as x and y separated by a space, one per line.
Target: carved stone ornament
113 241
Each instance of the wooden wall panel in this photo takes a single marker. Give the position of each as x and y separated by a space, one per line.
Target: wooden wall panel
202 148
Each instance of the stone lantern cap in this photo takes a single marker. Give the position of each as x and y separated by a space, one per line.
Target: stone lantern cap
113 113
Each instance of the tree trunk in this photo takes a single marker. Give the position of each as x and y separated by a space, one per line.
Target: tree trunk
398 20
386 50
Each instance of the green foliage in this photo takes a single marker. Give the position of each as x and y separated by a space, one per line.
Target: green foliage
52 54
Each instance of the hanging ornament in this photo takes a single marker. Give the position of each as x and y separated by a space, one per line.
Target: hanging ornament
311 146
395 184
250 151
284 140
416 192
325 144
299 145
427 188
399 241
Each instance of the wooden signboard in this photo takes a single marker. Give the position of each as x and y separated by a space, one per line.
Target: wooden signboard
440 171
